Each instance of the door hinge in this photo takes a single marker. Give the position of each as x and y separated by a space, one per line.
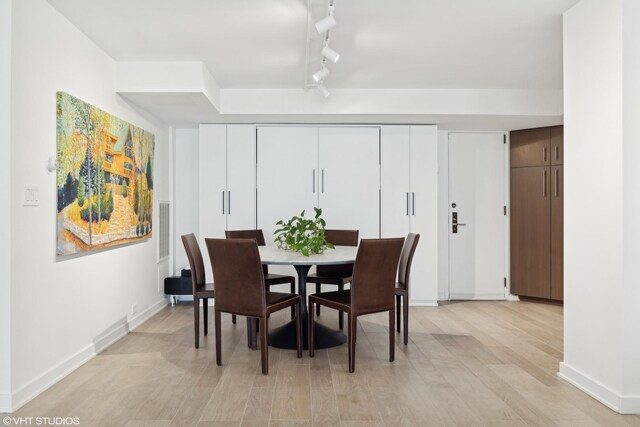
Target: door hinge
504 210
505 282
504 138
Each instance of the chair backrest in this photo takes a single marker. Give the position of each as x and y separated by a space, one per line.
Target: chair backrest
374 275
246 234
406 259
249 234
196 263
238 277
339 238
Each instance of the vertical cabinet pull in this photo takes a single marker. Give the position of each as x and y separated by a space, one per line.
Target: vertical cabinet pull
322 181
544 183
557 153
413 203
223 203
544 154
229 202
407 203
557 184
313 185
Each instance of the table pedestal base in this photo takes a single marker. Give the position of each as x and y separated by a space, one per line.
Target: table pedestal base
285 336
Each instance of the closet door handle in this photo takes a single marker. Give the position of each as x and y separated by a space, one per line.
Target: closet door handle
544 183
544 154
557 184
313 186
407 203
557 153
322 181
229 202
223 203
413 203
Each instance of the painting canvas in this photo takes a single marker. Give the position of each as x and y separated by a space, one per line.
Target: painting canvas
104 178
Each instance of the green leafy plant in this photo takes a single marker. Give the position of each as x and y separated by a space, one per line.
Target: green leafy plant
302 234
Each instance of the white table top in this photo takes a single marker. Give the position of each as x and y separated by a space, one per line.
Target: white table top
340 255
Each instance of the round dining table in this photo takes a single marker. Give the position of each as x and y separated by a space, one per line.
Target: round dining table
285 335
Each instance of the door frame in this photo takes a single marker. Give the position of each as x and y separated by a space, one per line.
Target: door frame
507 203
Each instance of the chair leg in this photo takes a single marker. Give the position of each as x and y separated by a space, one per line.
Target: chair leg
298 328
398 313
392 336
311 334
351 321
218 327
252 330
405 315
340 313
196 319
205 314
318 290
264 348
233 319
293 309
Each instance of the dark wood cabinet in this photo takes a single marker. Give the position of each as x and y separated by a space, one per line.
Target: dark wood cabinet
537 213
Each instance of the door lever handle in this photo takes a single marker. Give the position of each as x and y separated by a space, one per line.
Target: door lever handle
460 225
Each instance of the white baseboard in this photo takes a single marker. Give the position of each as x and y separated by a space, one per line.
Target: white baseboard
5 403
512 297
600 392
423 303
476 297
41 383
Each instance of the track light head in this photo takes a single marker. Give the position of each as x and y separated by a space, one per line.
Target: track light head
321 74
330 54
325 24
323 90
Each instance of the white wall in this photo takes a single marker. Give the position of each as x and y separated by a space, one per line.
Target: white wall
631 204
186 187
5 208
602 201
443 215
61 309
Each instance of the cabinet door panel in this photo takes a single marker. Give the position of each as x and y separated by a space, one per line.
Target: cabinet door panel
557 230
350 178
212 191
395 181
530 147
557 145
287 158
241 177
530 231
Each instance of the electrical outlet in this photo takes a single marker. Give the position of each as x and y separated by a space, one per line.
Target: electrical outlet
134 309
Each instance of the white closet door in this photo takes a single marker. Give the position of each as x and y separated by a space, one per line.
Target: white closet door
241 177
424 214
395 205
287 175
213 155
350 178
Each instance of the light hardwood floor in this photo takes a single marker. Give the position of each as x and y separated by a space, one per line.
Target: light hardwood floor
467 363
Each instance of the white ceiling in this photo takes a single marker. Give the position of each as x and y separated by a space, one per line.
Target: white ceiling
480 44
437 44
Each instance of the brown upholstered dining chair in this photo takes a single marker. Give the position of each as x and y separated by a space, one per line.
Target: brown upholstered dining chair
201 290
239 278
339 274
402 286
372 291
270 279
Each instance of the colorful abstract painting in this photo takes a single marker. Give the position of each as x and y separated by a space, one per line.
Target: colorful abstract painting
104 178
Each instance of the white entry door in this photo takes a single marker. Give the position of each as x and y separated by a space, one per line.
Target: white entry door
477 216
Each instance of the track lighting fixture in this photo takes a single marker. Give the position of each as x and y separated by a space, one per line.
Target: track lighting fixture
323 90
325 24
321 74
330 54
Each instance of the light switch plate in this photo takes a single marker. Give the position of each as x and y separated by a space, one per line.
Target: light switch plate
31 195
